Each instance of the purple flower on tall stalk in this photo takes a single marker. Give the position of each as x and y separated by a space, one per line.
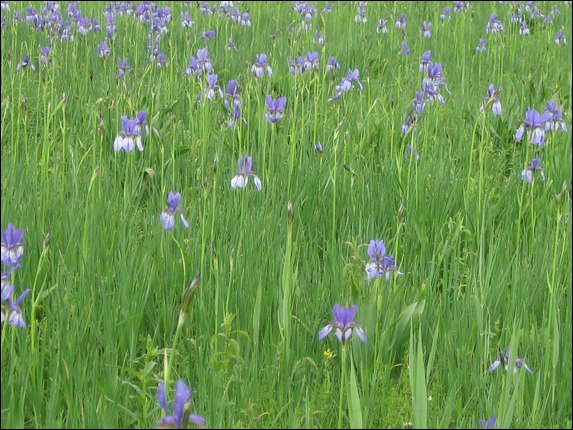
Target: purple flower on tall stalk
275 108
426 61
25 64
361 12
534 123
419 103
554 117
45 59
445 14
167 217
426 29
381 27
11 310
494 25
181 408
503 359
524 29
332 64
212 89
130 134
123 67
379 263
491 423
209 34
241 179
244 20
12 246
405 50
200 65
481 46
103 50
560 38
261 66
346 84
343 324
186 21
311 62
534 166
401 22
318 38
493 99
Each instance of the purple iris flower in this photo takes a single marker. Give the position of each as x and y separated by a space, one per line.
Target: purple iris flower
332 64
401 22
419 103
181 405
535 125
491 423
12 246
503 359
445 14
426 29
296 67
244 20
209 34
12 311
379 263
534 166
524 29
346 84
361 12
311 62
554 117
410 122
560 38
129 136
493 99
381 27
405 48
494 25
241 179
232 89
167 217
186 21
123 67
275 108
45 59
343 324
481 46
103 50
234 108
426 61
261 66
318 38
212 88
25 64
200 65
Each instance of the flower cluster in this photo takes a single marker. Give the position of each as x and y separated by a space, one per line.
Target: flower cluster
503 359
12 252
379 263
346 84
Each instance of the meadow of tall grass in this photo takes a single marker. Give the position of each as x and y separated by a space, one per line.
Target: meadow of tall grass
444 222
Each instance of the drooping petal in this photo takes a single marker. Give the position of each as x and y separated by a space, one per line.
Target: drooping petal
258 183
161 397
182 396
324 331
184 221
360 333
